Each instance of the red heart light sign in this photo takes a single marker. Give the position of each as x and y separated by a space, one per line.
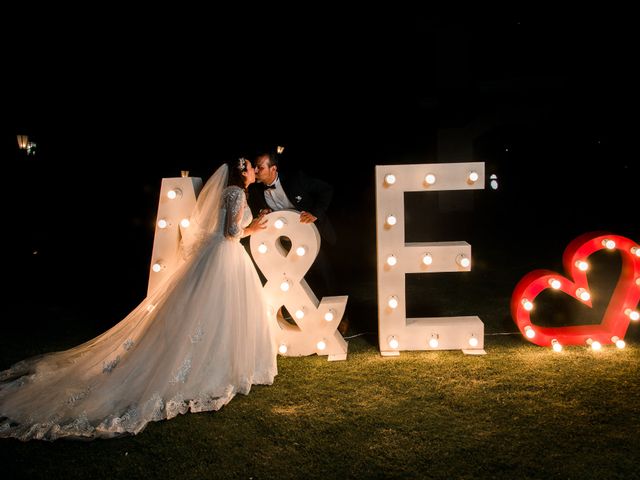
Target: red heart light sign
622 306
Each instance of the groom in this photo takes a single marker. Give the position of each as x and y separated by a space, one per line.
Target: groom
294 190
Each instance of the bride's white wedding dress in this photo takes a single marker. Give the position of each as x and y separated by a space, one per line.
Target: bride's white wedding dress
191 345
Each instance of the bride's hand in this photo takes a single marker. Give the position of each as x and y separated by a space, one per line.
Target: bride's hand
256 224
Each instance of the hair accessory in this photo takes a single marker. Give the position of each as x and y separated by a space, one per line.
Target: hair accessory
243 163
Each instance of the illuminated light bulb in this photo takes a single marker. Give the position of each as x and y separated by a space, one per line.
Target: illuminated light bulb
390 179
329 315
618 342
162 223
473 176
582 265
638 281
174 193
262 248
608 243
393 302
555 344
284 286
555 283
529 332
300 313
301 251
632 314
527 304
280 223
595 345
282 349
392 260
157 267
184 223
393 342
583 295
473 340
321 345
279 149
635 251
463 260
427 259
391 220
433 341
494 182
430 179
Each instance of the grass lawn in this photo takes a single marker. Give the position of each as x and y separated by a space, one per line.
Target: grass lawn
521 411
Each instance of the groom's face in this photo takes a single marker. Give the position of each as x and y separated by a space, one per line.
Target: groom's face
265 172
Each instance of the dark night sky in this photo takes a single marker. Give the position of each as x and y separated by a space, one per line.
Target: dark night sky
117 104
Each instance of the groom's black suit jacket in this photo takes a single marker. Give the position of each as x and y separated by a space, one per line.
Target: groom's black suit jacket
306 193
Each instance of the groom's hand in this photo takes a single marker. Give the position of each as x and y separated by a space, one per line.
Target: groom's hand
306 217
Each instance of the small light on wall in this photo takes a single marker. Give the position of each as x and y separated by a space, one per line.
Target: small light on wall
280 223
262 248
185 222
158 266
23 141
463 260
429 179
329 316
321 345
555 344
279 149
393 342
184 173
527 304
493 182
433 341
300 313
529 332
473 340
284 286
301 251
390 179
582 265
392 260
618 342
473 176
162 223
595 345
632 314
282 349
427 259
391 220
555 283
174 193
393 302
609 244
583 295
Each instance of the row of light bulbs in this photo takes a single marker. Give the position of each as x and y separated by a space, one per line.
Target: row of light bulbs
434 341
609 244
320 345
163 223
431 178
301 251
427 259
594 344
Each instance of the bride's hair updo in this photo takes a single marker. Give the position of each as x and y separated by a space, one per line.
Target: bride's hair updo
236 168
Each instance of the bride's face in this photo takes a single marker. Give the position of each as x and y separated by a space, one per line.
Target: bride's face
249 174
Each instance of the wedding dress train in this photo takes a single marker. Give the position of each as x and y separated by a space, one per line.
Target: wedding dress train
191 345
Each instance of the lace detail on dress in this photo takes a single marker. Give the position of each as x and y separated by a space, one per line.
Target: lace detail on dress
128 344
234 202
197 336
183 372
107 367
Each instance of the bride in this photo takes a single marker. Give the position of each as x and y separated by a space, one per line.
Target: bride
191 345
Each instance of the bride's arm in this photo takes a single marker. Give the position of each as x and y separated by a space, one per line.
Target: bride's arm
234 205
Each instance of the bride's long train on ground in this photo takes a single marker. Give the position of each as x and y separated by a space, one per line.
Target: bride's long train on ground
194 343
